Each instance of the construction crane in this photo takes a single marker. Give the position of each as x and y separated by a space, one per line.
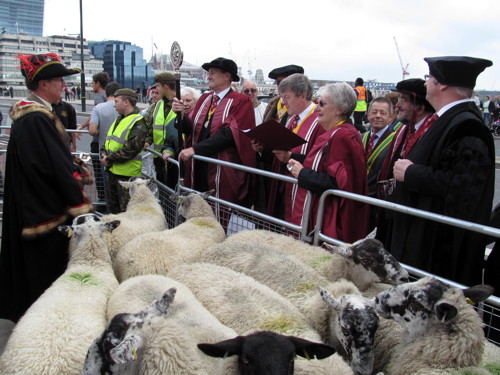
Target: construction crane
403 68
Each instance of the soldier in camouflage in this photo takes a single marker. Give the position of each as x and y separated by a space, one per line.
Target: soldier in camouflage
121 152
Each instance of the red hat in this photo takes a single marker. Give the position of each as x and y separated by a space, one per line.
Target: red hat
44 66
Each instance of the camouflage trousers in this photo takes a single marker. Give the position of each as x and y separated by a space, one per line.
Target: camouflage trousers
117 196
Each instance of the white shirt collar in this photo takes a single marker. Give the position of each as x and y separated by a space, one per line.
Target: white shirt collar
306 111
223 93
380 132
452 104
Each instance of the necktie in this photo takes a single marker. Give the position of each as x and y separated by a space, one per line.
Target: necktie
371 143
294 122
213 106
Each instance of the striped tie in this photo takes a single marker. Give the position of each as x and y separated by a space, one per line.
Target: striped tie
213 106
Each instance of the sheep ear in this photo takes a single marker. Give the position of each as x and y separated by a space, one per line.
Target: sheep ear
329 300
478 293
66 230
445 312
111 225
224 348
372 234
345 251
206 194
176 198
162 304
309 349
125 184
126 350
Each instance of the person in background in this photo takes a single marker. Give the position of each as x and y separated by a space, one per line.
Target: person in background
451 171
250 89
213 130
121 152
336 161
394 123
488 108
67 114
361 104
40 193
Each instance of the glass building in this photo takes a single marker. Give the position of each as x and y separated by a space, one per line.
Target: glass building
25 17
124 63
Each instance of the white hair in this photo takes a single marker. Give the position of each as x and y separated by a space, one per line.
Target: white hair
190 91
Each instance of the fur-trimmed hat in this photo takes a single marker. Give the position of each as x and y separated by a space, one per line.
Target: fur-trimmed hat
458 71
225 65
285 71
44 66
127 92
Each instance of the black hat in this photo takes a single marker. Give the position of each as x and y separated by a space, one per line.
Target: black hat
412 86
224 64
285 71
44 66
459 71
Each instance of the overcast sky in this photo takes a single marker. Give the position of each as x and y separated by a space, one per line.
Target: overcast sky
338 39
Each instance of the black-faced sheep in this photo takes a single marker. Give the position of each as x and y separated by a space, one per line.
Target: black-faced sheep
441 330
157 253
56 331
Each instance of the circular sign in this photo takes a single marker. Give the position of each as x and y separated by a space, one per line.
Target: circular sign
176 55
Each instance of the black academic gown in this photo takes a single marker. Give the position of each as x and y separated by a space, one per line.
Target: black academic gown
454 175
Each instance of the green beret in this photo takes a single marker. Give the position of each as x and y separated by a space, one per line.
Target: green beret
164 77
127 92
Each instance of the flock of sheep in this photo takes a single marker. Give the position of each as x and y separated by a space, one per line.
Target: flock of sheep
139 298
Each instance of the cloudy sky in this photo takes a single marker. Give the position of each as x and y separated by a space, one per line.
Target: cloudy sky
331 39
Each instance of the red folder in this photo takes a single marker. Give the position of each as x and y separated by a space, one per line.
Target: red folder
274 136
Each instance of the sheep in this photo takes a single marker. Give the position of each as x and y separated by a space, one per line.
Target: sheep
54 334
440 330
365 262
246 305
156 253
170 342
143 215
298 282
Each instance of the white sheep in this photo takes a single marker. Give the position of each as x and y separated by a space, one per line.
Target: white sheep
246 305
157 253
143 215
169 342
298 282
365 262
440 330
54 334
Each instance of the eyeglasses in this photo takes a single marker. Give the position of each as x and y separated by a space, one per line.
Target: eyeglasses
427 77
321 103
247 91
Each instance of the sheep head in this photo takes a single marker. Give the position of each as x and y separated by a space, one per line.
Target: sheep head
369 262
193 205
354 325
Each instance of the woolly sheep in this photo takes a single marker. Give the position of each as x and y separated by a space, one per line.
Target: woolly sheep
364 262
170 342
156 253
440 329
143 215
298 282
246 305
54 334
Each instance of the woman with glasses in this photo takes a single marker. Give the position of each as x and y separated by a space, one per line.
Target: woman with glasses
336 161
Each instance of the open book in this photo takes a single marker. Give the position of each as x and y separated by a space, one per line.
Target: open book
274 136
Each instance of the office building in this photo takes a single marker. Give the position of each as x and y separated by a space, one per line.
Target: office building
25 17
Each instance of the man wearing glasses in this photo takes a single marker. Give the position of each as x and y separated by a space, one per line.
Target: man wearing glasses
451 171
250 89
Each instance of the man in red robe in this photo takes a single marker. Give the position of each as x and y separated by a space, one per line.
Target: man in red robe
213 130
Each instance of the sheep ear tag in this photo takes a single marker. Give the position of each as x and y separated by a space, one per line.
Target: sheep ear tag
69 233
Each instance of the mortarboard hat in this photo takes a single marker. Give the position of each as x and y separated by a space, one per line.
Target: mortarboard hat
224 64
459 71
285 71
44 66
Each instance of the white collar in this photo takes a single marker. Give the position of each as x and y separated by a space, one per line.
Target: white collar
452 104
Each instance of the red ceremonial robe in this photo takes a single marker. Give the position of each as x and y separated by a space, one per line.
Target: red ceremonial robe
235 111
309 129
339 153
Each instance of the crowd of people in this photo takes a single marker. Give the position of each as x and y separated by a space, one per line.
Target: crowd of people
426 146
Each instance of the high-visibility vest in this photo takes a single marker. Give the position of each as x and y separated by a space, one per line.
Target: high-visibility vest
116 139
361 99
160 125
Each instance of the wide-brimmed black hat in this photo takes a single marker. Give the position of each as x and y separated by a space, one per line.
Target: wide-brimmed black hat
44 66
459 71
224 64
412 86
285 71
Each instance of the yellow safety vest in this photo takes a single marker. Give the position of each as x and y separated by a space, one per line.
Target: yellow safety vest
160 125
116 139
361 105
